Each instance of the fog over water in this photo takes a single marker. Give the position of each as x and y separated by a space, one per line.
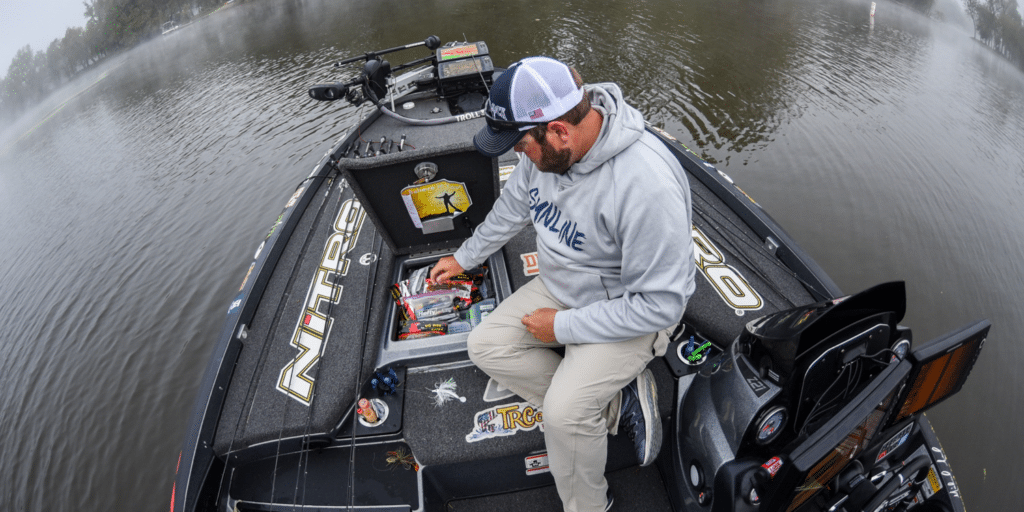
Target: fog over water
134 198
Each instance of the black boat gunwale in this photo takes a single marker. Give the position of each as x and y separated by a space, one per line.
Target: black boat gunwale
198 460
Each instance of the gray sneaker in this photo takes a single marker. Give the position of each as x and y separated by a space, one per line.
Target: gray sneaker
640 418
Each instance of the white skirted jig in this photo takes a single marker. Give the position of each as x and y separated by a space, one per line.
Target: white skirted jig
445 391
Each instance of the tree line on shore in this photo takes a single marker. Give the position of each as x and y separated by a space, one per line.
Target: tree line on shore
997 23
111 26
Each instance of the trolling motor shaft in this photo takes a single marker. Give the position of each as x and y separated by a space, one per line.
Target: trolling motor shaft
432 43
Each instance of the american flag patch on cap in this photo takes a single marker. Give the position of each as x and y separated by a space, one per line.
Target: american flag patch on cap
534 114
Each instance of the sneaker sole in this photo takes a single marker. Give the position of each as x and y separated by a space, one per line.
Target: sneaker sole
648 392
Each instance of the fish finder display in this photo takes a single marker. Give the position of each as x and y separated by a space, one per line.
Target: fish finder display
465 67
461 51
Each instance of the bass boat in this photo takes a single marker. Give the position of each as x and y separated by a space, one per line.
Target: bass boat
340 380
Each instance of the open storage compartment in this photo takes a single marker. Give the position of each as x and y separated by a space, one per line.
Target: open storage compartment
394 348
426 202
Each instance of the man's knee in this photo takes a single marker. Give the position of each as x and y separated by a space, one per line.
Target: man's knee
487 342
566 412
476 347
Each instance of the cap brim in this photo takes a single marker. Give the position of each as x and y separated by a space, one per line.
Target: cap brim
495 143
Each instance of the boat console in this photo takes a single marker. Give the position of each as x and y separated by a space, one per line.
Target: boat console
815 395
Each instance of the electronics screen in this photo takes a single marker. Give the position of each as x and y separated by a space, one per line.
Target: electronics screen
940 369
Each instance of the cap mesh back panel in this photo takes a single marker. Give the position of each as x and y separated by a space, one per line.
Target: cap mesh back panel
558 79
828 467
529 95
939 378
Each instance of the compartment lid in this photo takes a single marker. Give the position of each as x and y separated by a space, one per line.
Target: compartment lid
425 199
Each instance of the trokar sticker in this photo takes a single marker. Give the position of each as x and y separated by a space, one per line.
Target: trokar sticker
505 420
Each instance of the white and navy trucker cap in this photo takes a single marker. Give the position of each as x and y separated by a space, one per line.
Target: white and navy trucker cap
532 91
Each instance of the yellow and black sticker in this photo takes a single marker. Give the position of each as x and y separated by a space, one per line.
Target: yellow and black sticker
933 482
434 200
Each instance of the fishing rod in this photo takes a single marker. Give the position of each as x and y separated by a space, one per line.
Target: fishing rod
323 345
371 281
257 376
431 42
303 460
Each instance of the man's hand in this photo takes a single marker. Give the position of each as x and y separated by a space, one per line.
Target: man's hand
541 324
445 269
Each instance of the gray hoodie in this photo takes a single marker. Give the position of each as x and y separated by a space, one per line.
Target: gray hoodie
613 233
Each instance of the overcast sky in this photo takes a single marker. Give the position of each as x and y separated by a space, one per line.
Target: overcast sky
35 23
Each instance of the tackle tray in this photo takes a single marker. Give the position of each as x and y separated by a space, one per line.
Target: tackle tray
445 346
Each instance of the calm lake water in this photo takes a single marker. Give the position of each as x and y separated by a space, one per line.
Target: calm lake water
134 199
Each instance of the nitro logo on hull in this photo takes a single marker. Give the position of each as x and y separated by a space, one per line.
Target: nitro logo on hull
314 327
730 285
505 420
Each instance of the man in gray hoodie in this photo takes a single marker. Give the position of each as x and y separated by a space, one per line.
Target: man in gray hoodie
611 208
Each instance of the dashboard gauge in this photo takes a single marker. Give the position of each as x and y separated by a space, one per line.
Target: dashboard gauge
770 425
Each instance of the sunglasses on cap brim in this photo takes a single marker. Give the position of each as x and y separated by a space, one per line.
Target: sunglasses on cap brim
507 126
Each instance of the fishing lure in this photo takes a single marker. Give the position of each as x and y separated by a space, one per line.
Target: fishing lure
399 457
385 381
445 391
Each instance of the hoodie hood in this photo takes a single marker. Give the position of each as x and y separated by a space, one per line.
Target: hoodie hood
621 126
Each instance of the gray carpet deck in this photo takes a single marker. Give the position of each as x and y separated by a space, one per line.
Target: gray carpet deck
438 434
633 488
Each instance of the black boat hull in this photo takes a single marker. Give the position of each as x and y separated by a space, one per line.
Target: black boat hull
275 427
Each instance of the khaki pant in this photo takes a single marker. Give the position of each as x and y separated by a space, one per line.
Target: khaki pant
579 394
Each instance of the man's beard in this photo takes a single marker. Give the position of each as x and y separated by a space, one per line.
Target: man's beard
554 161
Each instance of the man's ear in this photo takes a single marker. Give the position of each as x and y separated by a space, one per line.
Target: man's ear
561 130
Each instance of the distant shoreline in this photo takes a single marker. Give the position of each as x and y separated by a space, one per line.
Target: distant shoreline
113 27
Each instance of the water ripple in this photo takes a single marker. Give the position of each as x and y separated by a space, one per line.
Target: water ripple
133 212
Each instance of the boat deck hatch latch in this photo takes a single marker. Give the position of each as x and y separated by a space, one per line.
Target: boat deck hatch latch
426 171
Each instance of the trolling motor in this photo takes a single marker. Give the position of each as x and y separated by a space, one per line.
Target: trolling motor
462 74
373 84
373 79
